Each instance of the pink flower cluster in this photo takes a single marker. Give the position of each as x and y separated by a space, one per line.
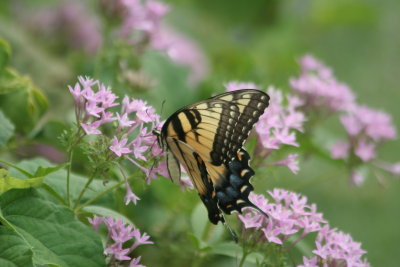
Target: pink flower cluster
70 23
289 214
91 105
132 138
366 128
119 235
142 24
280 121
278 125
141 17
318 88
336 248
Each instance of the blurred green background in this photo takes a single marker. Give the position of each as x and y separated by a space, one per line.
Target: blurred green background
257 41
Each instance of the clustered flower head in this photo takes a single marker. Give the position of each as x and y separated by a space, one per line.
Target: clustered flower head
291 215
92 103
366 128
69 22
278 125
119 236
142 25
132 137
319 89
141 17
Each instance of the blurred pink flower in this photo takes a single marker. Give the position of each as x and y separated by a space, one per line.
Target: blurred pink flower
70 23
291 162
375 124
357 178
319 89
182 50
141 16
393 168
365 150
236 85
340 150
312 262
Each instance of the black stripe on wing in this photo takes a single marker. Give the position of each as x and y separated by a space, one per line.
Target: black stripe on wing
209 198
250 105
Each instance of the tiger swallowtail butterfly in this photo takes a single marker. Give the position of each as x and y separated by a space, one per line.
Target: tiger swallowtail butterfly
207 139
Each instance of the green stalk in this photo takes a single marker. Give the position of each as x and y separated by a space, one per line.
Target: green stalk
99 195
244 256
70 155
84 189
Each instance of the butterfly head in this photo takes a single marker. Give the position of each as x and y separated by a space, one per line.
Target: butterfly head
160 139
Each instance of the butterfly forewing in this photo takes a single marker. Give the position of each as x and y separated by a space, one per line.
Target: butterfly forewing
225 120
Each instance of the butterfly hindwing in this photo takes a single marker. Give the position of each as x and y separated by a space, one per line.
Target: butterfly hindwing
173 166
233 193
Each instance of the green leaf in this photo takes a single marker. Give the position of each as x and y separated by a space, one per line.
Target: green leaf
171 81
5 53
43 171
205 232
7 182
6 129
10 81
56 180
14 251
21 101
199 221
106 212
52 231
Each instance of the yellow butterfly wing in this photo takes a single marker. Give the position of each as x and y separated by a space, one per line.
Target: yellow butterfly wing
216 128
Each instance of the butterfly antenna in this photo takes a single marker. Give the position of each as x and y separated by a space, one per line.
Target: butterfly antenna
162 107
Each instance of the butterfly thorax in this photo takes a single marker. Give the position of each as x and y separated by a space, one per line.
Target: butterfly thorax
160 139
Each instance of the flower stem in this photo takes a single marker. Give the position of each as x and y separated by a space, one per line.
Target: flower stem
84 189
108 190
70 155
244 256
99 195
